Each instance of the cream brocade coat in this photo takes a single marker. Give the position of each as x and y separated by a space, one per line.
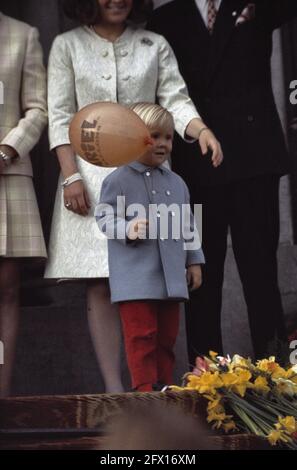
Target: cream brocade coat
85 68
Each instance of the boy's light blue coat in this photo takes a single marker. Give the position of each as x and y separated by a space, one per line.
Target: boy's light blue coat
151 268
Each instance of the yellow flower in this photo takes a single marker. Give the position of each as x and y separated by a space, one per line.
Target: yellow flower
209 383
193 381
292 373
213 354
268 365
220 419
288 424
237 381
229 379
229 426
274 437
279 373
214 404
261 385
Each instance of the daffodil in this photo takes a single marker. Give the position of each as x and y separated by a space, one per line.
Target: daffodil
229 426
208 383
288 424
274 437
266 364
213 354
261 385
218 419
215 405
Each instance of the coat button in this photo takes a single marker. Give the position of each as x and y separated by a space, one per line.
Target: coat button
148 173
234 13
154 192
251 118
104 53
126 78
168 193
124 53
106 77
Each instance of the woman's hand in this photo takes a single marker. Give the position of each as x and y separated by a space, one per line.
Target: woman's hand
76 198
194 277
207 140
10 152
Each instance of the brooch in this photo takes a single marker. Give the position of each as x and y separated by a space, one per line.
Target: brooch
147 41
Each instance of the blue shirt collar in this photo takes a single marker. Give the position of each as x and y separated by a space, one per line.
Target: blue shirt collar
141 168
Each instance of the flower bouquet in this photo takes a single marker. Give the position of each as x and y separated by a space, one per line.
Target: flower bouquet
259 399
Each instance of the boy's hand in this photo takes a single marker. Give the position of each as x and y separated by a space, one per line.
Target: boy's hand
194 277
137 229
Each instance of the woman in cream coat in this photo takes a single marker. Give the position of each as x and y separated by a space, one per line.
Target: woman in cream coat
104 60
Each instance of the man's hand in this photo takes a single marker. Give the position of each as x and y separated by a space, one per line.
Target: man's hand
137 229
207 141
194 277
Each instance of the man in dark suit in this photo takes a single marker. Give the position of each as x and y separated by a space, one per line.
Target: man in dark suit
224 49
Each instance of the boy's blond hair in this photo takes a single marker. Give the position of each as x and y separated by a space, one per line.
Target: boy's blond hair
153 115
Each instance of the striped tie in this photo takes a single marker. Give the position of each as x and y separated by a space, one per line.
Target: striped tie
211 15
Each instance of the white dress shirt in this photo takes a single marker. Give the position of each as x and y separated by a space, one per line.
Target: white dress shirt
203 8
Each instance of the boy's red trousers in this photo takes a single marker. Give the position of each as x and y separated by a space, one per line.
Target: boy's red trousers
150 329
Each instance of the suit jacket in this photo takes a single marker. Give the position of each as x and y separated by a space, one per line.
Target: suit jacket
23 112
229 79
153 268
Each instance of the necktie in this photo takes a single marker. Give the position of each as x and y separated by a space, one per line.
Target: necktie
211 15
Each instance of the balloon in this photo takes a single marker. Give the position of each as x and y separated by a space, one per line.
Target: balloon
108 134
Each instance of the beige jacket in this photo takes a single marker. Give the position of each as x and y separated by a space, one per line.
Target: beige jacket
23 113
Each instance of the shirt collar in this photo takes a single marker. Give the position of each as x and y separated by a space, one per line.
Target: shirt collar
203 3
141 168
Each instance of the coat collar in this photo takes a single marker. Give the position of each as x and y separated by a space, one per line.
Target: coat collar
123 38
141 168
